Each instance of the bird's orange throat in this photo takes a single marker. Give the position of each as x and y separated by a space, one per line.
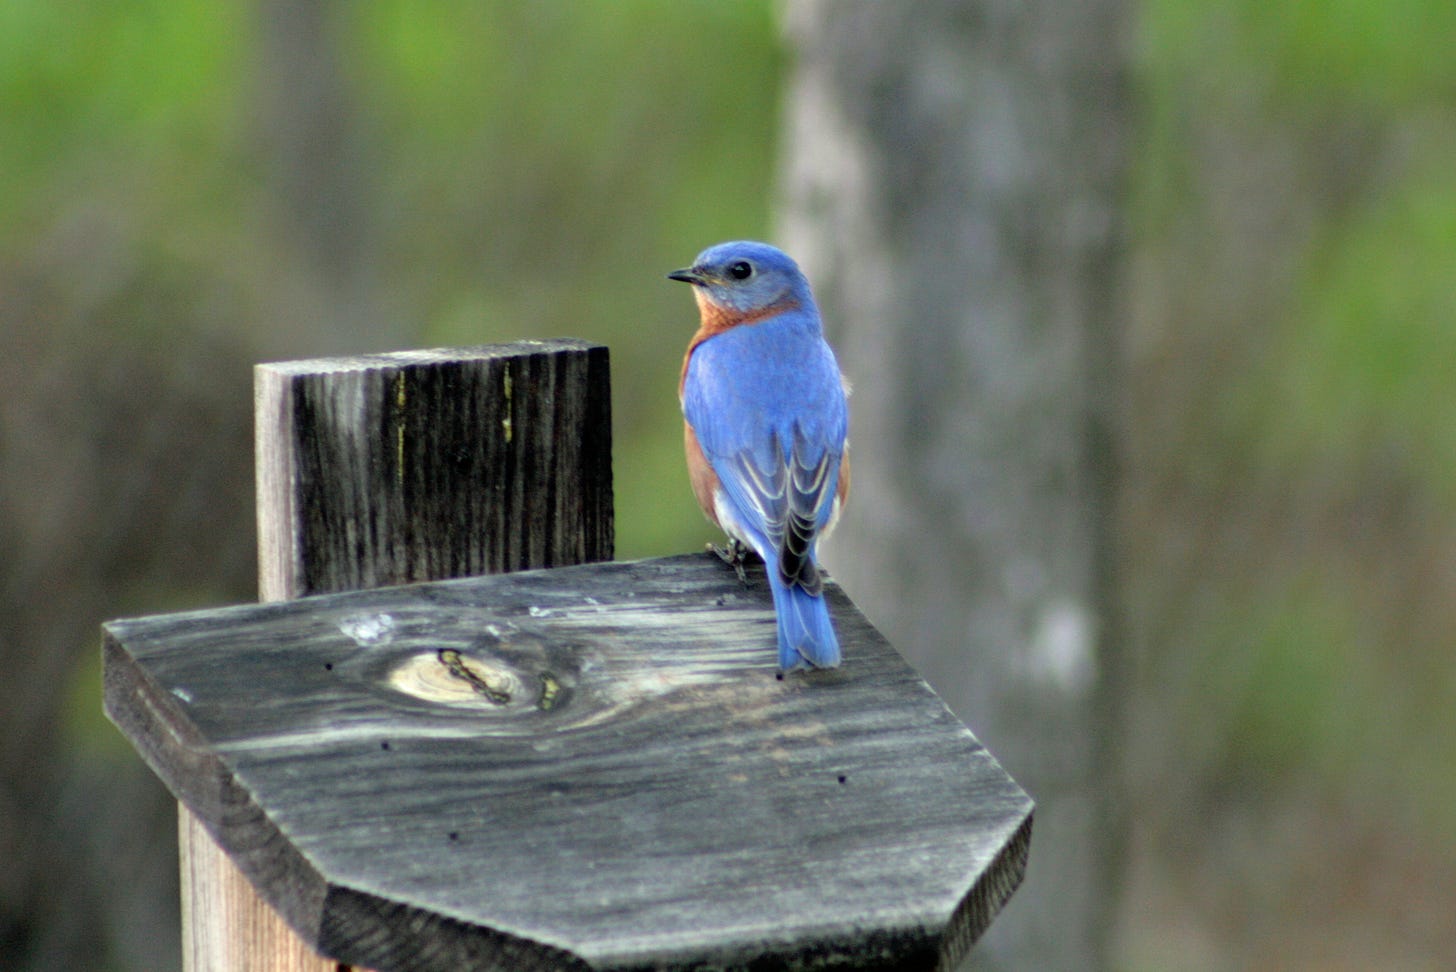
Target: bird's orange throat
714 319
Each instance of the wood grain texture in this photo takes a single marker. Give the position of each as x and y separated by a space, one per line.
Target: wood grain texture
254 936
425 465
416 465
637 790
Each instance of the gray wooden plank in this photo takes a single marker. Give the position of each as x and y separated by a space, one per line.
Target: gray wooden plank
424 465
634 787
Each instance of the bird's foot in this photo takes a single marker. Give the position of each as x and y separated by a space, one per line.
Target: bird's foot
735 554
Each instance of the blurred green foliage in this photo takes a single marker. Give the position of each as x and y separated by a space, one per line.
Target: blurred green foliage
1293 511
1369 353
528 170
92 93
1331 56
1335 53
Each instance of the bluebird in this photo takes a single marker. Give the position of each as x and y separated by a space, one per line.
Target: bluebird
766 430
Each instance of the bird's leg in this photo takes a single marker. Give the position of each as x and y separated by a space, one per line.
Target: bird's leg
735 554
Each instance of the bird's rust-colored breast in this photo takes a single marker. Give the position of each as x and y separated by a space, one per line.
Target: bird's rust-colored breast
701 474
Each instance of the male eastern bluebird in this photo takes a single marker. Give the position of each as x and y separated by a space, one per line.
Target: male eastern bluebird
766 429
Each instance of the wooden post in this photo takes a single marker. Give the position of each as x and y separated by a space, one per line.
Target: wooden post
390 469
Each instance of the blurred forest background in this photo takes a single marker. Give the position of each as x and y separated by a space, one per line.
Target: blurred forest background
190 186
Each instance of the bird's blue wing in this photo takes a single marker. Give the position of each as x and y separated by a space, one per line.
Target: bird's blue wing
812 478
775 437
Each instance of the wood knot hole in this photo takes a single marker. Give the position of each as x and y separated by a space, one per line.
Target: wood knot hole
456 665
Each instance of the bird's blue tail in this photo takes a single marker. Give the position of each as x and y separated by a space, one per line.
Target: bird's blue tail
806 636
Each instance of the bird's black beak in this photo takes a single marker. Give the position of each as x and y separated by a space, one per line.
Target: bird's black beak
687 275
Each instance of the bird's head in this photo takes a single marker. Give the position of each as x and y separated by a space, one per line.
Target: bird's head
746 278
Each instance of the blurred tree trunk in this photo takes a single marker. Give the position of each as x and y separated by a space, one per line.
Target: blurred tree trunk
953 175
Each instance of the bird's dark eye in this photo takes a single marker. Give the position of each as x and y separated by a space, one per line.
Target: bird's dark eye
741 270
